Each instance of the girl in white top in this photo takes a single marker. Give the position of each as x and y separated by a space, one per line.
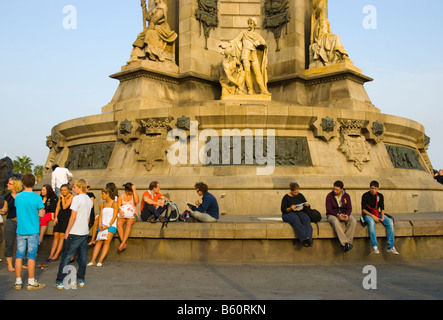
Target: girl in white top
107 221
130 197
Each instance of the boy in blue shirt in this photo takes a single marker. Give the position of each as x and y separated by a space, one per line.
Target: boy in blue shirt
29 208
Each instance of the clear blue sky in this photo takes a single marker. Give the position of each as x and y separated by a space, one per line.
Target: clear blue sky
51 74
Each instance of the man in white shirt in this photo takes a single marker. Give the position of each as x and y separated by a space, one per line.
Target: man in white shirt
60 176
76 235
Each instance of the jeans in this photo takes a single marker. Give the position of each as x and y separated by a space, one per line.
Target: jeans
74 244
389 225
149 210
301 224
27 245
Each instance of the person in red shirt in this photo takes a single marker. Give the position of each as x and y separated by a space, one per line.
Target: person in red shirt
153 203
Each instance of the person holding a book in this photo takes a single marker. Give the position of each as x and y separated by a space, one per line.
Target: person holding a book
207 210
292 206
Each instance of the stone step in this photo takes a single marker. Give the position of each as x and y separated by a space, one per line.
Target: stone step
268 239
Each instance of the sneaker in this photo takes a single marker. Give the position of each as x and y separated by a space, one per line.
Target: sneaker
375 250
392 250
18 286
90 264
59 286
80 284
35 286
347 247
99 264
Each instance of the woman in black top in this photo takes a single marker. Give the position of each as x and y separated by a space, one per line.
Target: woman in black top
14 187
292 206
61 220
49 199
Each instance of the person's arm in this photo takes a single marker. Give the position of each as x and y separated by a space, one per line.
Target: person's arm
100 216
206 203
329 206
135 195
149 201
285 207
4 210
53 181
348 204
304 201
57 210
74 208
114 216
71 223
381 205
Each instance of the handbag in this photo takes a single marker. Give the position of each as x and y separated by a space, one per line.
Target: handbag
128 211
102 235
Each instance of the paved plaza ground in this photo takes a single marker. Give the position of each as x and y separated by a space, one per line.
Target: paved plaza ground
161 280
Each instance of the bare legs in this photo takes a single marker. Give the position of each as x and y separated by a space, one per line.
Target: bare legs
57 245
124 233
98 246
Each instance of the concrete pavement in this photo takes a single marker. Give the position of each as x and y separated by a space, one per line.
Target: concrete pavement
163 280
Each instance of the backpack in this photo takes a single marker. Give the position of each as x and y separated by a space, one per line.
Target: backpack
171 213
314 215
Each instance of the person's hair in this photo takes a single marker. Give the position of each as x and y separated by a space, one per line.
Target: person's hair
113 187
64 186
203 187
55 166
17 183
109 191
28 180
153 185
339 184
81 184
128 186
374 184
294 186
49 191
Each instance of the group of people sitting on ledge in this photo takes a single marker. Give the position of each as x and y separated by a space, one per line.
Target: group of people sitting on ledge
27 215
297 211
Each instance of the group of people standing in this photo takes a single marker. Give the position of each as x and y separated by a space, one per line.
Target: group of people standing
28 215
296 209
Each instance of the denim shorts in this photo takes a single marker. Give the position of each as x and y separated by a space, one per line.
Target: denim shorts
27 245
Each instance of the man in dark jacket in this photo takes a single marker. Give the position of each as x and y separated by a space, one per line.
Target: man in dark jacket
208 210
338 211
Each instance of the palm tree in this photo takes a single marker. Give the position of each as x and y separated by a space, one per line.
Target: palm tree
38 172
23 165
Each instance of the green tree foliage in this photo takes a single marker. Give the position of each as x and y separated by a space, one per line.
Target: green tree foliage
22 165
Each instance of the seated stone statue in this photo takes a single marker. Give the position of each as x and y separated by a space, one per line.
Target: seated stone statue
152 41
326 48
232 77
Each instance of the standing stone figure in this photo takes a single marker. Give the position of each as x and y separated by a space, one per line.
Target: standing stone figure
254 57
152 41
326 48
